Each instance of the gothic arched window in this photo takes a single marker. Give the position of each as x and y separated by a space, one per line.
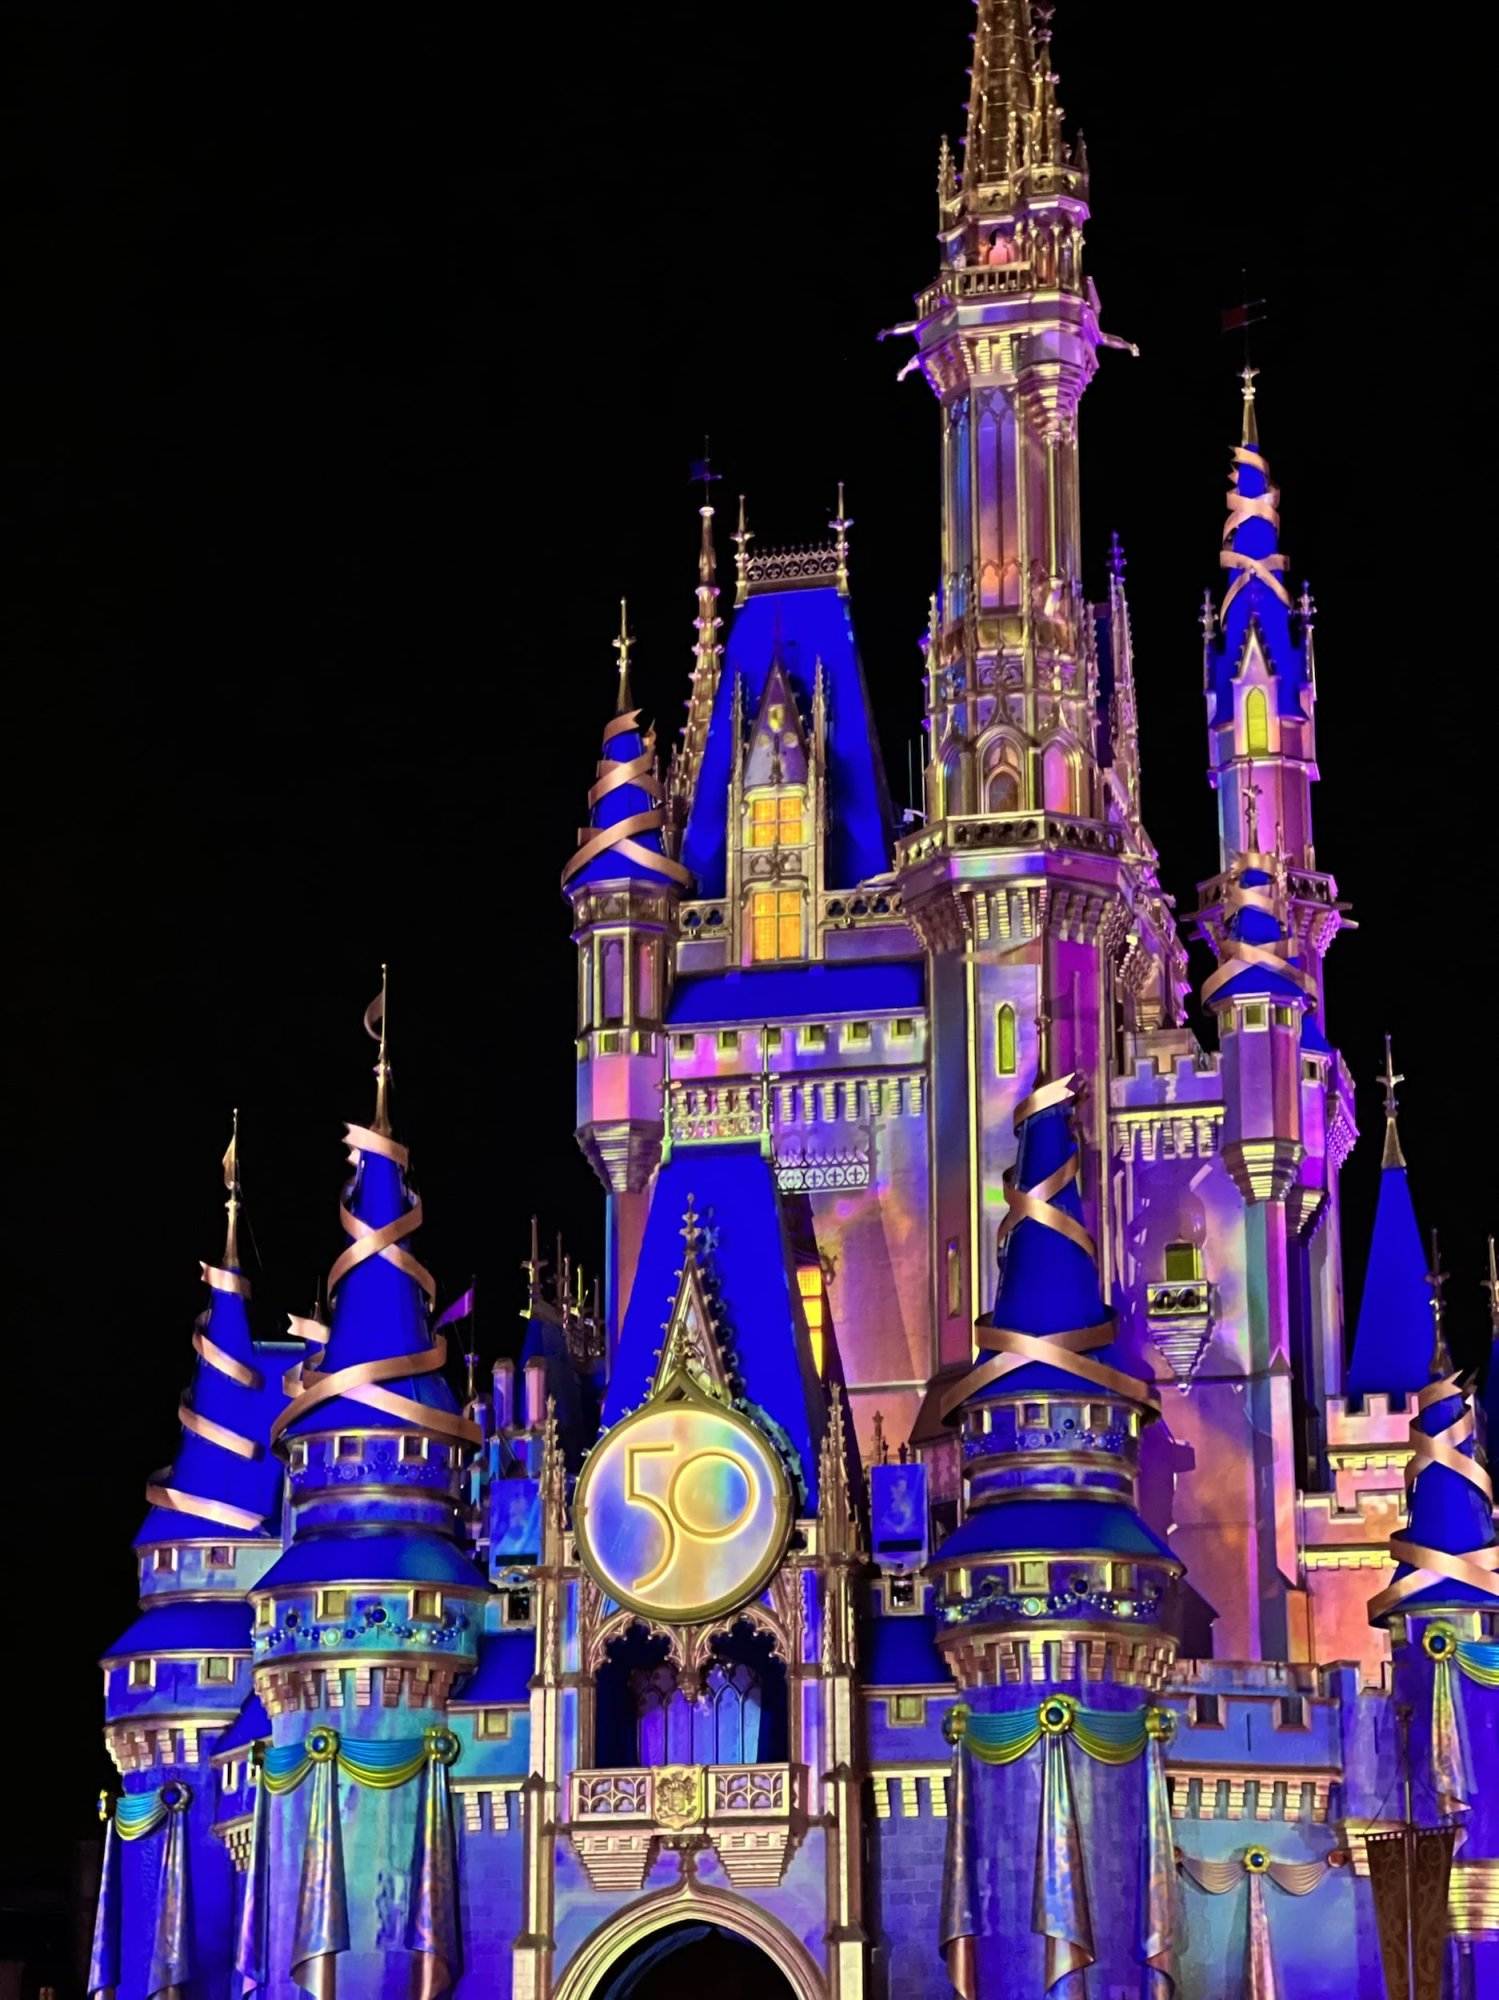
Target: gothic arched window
1056 779
1004 1040
1256 723
1001 776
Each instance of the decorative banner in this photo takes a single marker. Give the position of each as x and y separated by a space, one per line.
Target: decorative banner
897 1505
104 1959
432 1923
514 1523
253 1947
959 1924
1430 1865
1449 1760
1158 1863
322 1926
1105 1734
1296 1878
1059 1902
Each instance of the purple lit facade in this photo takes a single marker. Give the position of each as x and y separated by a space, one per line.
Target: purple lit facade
963 1546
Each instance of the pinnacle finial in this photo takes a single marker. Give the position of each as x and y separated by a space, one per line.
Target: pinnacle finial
743 536
1043 1040
1116 557
1251 433
703 473
1436 1277
1388 1078
1491 1286
841 525
626 639
232 1205
377 1027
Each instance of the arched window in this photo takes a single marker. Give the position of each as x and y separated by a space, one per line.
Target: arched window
1056 778
952 783
1004 1040
644 1717
775 924
777 819
1001 777
614 980
1256 723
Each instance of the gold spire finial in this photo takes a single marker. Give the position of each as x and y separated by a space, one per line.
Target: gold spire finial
232 1205
623 702
743 536
532 1266
376 1026
1436 1277
1251 435
841 525
1389 1076
1491 1286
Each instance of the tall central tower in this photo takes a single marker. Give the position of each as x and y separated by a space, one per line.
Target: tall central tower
1032 884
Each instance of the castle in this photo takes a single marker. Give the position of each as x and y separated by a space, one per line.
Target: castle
960 1548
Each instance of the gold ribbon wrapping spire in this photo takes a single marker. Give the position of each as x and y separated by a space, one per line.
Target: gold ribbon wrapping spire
621 837
1479 1568
1243 507
361 1382
1237 954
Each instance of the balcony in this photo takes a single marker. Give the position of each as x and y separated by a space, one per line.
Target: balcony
1179 1314
750 1814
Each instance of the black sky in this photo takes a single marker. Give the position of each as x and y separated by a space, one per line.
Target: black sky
356 359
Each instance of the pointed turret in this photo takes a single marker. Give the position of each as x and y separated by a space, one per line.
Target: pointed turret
623 839
1392 1340
223 1477
623 886
1491 1379
707 657
1014 137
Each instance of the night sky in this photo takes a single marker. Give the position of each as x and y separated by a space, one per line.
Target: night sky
355 363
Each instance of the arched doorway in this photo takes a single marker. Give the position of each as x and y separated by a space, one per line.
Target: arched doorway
781 1963
693 1957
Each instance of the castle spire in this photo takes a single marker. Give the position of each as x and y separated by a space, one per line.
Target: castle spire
1389 1077
222 1477
376 1027
707 657
1392 1342
624 701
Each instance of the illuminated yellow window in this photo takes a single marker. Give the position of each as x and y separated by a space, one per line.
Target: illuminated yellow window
426 1604
907 1711
1004 1041
777 822
214 1668
1183 1263
265 1610
1256 723
954 1279
142 1673
332 1604
776 916
814 1307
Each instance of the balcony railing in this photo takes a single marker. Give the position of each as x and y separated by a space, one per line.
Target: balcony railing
750 1813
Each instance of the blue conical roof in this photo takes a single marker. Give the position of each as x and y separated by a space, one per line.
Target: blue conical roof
1252 924
380 1301
1392 1342
1450 1515
1048 1282
223 1460
623 838
1256 597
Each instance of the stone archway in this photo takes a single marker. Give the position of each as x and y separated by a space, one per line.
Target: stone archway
604 1960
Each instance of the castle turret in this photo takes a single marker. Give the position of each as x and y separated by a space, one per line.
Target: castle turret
371 1615
1053 1599
623 887
177 1677
1442 1613
1390 1356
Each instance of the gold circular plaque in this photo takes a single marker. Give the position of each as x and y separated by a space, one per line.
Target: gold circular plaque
682 1511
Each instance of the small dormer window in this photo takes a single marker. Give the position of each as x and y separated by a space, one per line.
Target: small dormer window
778 820
215 1668
265 1611
332 1604
426 1604
412 1447
350 1447
1183 1263
163 1560
220 1557
142 1673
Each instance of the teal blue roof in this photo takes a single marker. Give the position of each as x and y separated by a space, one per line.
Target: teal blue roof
358 1557
1062 1527
172 1627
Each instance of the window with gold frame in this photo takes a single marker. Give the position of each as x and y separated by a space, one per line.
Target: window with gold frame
776 924
777 820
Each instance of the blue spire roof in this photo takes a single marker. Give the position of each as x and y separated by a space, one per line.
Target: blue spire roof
797 629
747 1258
1256 596
1448 1513
622 841
380 1303
1254 926
1048 1283
1392 1342
235 1395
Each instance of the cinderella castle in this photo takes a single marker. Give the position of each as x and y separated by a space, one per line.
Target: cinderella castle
966 1545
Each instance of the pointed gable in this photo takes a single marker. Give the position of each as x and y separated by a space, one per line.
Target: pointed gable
777 753
1392 1340
722 1309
